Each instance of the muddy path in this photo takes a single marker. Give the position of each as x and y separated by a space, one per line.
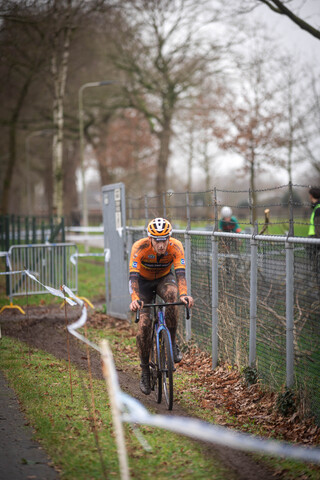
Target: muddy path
45 329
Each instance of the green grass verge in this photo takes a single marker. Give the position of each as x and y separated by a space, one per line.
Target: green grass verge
64 429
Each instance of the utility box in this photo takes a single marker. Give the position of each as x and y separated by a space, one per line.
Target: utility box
117 275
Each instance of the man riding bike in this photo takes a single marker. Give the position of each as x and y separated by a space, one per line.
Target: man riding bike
150 270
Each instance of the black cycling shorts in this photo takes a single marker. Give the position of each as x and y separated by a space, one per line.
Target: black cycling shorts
147 287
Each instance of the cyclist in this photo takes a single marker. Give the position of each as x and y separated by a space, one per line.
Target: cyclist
150 270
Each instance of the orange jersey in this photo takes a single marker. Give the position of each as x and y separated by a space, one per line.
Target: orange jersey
145 262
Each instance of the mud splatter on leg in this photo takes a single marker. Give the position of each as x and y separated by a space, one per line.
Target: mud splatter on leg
143 338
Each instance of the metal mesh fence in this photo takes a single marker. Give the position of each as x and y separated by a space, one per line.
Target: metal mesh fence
285 207
233 294
307 324
271 313
196 215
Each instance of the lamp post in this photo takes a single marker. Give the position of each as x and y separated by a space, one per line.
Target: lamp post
27 148
81 134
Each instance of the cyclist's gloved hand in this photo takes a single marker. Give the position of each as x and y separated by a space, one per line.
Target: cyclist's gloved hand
136 305
187 300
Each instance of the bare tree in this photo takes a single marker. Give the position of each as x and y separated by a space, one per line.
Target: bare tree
163 53
297 112
41 34
124 149
251 116
23 55
311 143
198 137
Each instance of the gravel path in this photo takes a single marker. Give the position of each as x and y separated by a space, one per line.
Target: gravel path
21 457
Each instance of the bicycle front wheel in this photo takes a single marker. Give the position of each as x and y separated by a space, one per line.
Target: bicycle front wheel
156 379
166 368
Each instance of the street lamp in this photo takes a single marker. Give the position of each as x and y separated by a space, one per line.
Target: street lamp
27 148
81 134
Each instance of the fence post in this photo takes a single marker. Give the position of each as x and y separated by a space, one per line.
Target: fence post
129 243
214 300
63 236
7 246
34 230
19 230
250 207
214 284
164 205
13 229
146 214
289 313
188 264
43 237
253 297
291 222
51 229
27 230
130 211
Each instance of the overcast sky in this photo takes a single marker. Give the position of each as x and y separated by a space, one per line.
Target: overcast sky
293 37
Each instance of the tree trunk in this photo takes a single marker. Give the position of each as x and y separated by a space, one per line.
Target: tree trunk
190 156
60 77
12 147
163 157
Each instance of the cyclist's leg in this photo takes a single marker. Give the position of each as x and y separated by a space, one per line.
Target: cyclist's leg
143 337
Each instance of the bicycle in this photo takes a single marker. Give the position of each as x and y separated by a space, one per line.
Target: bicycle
161 355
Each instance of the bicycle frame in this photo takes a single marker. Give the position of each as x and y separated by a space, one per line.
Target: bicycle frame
162 360
158 327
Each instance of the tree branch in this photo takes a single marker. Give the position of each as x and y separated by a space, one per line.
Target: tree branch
279 7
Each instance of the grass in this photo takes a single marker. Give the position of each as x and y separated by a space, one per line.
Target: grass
64 427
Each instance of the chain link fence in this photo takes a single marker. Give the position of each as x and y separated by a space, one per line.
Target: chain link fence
257 297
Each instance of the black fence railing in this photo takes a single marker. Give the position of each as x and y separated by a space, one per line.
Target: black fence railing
20 230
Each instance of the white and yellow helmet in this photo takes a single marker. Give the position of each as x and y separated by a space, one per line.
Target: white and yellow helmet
159 229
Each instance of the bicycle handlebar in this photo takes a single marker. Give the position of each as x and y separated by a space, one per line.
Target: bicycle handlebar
161 305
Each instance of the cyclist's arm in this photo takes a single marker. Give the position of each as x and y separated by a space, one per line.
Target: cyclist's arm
134 266
182 285
134 292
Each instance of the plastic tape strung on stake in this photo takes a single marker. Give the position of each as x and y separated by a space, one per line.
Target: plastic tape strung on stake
106 256
135 413
82 320
51 290
13 273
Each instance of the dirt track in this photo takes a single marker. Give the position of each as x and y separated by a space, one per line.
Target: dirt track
45 329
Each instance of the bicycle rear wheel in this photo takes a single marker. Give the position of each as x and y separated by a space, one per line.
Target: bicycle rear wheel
156 378
166 368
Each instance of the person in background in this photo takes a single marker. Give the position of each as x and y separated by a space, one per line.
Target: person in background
228 222
314 232
314 227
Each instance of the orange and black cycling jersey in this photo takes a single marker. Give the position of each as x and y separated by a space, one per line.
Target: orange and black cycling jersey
144 261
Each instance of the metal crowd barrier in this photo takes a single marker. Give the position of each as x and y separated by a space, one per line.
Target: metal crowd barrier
49 263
